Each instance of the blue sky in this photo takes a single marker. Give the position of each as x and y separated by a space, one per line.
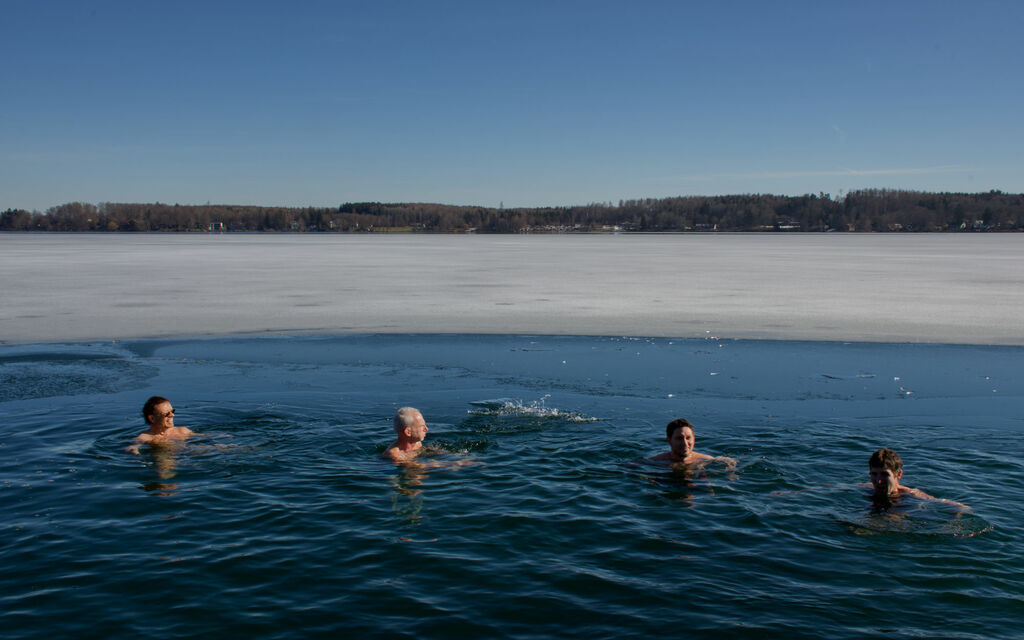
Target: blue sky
516 103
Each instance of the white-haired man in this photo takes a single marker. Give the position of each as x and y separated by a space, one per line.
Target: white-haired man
411 429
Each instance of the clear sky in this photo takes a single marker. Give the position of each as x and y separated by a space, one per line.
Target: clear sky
518 103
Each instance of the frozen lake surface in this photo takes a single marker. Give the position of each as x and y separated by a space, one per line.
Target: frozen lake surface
878 288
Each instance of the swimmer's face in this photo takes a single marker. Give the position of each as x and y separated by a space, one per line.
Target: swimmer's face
885 482
162 416
682 442
418 429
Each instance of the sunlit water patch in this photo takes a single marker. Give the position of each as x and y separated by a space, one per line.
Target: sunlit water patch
533 511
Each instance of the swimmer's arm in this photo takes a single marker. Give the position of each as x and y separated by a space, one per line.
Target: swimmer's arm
137 442
395 454
921 495
953 503
959 505
730 463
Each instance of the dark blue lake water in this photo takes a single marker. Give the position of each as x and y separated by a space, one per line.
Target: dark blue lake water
285 522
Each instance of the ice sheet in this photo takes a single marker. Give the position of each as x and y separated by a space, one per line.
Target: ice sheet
951 288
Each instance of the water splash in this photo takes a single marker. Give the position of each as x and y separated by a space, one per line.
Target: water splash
516 407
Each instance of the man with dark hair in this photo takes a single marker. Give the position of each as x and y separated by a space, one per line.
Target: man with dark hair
681 438
886 469
159 415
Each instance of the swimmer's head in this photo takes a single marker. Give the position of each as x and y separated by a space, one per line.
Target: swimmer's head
409 423
678 423
149 410
886 470
680 436
886 459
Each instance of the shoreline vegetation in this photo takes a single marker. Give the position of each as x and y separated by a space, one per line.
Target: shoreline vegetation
870 210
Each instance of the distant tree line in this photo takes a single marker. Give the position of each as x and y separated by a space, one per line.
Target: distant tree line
865 210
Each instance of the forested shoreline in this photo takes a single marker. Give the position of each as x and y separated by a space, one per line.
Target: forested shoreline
865 210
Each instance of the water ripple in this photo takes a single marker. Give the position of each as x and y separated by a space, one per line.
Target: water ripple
530 514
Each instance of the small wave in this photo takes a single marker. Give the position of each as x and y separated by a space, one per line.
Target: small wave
515 407
943 521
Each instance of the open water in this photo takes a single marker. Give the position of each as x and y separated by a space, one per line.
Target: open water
533 514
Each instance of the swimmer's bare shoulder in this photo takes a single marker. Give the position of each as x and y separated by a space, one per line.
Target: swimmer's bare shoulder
413 458
395 454
698 458
915 493
694 459
167 437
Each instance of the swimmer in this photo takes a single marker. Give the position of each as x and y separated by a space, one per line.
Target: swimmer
681 438
159 415
411 429
886 469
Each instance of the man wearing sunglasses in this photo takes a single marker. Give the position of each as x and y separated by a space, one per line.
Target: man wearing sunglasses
159 415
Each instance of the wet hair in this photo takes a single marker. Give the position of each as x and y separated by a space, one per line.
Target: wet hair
405 417
678 423
149 408
886 459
